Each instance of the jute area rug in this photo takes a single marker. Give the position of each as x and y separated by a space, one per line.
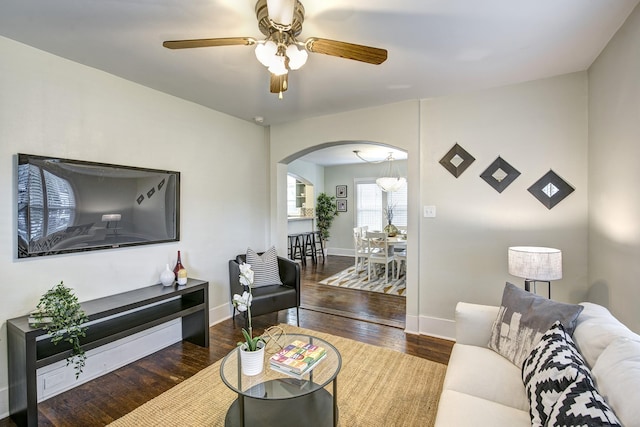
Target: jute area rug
376 387
350 278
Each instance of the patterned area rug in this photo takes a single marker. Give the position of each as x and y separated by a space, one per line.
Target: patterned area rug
352 279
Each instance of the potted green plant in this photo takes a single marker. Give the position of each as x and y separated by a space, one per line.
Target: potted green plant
326 211
59 314
252 348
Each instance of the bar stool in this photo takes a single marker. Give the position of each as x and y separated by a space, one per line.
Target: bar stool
291 238
309 248
317 241
296 242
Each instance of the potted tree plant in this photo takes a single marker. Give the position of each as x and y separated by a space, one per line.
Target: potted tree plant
326 211
59 313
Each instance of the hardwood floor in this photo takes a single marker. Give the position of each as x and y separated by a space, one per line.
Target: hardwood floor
363 316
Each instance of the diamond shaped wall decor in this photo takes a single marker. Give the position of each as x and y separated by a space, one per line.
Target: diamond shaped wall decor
457 160
500 174
550 189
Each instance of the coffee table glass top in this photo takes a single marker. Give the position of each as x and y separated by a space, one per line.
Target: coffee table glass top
271 384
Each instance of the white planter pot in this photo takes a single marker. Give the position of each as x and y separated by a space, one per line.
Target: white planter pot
252 362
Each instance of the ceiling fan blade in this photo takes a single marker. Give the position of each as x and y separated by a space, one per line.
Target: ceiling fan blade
227 41
279 84
371 55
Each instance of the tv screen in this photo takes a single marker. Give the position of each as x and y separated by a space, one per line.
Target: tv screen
72 205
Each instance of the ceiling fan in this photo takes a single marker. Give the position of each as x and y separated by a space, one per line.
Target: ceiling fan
281 22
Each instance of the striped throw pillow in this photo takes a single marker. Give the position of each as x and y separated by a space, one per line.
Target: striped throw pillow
265 267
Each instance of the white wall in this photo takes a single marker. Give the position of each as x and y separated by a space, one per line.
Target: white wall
614 174
52 106
534 126
311 172
461 254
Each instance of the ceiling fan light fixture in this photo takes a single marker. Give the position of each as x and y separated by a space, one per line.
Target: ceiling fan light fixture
265 51
280 21
391 180
297 57
278 66
281 13
390 184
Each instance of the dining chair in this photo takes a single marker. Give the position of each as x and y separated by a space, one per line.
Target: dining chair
401 262
361 248
379 253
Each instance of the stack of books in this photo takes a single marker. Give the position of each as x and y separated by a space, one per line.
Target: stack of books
297 359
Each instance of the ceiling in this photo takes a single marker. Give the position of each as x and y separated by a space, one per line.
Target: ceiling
344 154
436 47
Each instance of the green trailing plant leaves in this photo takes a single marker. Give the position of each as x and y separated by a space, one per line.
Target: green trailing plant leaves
65 322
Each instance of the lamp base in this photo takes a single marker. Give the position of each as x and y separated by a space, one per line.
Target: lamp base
527 286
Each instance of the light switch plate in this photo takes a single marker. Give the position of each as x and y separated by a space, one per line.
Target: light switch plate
429 211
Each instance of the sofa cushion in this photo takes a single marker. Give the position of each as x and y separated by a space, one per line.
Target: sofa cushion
554 364
480 372
596 329
474 322
617 375
265 267
580 404
464 410
523 318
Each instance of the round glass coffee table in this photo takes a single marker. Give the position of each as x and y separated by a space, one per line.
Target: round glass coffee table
275 398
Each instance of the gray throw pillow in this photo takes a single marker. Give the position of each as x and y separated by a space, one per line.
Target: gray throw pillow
265 267
522 320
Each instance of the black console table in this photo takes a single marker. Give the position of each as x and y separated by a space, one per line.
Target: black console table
111 318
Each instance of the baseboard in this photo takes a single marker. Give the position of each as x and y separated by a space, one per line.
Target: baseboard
340 251
412 325
220 313
437 327
4 402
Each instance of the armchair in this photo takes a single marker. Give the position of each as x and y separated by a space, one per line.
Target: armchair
269 299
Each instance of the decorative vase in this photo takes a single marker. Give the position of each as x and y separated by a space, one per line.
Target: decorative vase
167 277
252 362
178 267
391 230
182 277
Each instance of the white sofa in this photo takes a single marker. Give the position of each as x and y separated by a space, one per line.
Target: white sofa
482 388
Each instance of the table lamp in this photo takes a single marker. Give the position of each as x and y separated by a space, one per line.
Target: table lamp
535 264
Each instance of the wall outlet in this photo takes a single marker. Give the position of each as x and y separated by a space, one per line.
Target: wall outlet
429 211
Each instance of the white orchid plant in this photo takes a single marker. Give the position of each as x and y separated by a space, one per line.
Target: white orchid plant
243 303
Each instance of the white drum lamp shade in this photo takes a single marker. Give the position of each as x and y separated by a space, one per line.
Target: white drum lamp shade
535 263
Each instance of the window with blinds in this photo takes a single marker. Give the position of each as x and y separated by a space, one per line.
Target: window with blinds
368 205
398 199
371 201
45 201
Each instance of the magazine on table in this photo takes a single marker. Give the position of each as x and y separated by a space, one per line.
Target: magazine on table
297 358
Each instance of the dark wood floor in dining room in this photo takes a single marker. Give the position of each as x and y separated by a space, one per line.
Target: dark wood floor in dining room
369 317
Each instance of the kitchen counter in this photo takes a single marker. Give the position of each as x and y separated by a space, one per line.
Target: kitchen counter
301 224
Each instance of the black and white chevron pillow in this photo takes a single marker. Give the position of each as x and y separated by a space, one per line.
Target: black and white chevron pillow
559 385
581 405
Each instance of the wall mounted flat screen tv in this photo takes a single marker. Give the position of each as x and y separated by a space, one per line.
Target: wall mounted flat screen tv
72 205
